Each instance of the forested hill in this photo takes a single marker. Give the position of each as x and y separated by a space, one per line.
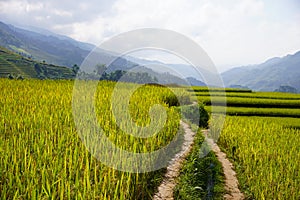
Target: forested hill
274 74
13 65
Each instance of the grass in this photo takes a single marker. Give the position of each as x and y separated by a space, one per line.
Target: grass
266 156
250 102
43 157
200 89
261 138
15 64
200 178
246 111
252 95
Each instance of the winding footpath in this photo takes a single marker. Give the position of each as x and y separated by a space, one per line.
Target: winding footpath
165 190
231 182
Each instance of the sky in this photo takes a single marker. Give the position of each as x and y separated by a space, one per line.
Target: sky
232 32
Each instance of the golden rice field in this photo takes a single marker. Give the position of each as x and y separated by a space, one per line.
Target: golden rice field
261 137
266 157
42 156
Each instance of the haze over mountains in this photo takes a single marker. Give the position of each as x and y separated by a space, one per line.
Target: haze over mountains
267 76
43 45
65 52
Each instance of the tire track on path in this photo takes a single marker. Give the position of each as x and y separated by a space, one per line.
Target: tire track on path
165 190
231 182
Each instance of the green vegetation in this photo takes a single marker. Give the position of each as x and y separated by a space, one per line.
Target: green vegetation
246 111
20 51
286 88
43 157
200 178
280 74
196 114
285 122
266 157
261 137
55 50
120 75
259 95
251 102
14 65
212 89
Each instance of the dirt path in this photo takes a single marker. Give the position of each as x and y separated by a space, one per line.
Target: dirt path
231 182
165 190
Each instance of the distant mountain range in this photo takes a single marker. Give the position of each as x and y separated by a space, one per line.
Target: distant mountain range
43 46
274 74
41 54
15 66
48 48
186 72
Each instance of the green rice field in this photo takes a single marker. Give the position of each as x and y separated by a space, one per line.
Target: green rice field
261 137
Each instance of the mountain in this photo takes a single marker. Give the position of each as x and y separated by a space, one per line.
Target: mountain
183 70
274 74
194 76
13 65
40 47
45 32
44 46
195 82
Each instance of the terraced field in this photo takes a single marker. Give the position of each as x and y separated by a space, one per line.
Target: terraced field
17 65
247 103
14 64
43 156
266 155
261 137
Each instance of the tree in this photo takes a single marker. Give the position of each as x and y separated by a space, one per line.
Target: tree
75 68
99 69
10 76
286 88
20 77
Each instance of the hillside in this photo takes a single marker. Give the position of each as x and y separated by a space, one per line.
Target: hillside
268 76
41 47
17 65
46 47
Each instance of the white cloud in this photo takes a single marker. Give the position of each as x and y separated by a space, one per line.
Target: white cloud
233 32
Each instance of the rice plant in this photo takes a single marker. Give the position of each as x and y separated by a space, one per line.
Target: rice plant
266 156
43 157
